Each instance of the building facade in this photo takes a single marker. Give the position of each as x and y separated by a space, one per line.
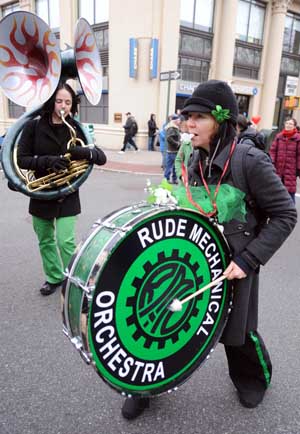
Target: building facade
155 52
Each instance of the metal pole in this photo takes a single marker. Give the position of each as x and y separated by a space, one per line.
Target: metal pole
168 97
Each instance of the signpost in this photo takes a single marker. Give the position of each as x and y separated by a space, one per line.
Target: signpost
168 76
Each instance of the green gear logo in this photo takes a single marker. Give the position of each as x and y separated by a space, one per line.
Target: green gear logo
169 279
147 326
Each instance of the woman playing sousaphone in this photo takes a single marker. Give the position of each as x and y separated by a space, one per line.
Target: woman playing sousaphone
253 238
42 148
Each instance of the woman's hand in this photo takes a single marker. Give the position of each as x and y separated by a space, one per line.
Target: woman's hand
233 271
80 153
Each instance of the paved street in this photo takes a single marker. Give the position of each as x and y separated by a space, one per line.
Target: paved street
47 389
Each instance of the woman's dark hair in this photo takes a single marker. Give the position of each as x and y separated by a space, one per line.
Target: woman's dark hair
151 116
224 136
48 107
243 122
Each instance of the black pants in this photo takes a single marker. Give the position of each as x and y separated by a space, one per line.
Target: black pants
128 139
250 367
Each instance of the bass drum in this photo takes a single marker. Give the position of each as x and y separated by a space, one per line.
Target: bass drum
119 286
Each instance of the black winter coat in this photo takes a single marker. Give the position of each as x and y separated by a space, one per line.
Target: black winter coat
41 137
173 138
252 137
256 240
130 127
152 128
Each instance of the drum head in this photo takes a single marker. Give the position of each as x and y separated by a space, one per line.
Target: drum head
138 345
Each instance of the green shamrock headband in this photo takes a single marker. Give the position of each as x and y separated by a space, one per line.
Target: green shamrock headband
220 114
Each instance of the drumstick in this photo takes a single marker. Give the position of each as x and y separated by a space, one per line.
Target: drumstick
176 304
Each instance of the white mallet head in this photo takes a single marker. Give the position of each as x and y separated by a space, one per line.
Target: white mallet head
176 305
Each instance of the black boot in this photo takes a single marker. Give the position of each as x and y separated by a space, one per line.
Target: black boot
251 398
49 288
133 407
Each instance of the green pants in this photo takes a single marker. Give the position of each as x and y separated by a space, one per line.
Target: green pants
56 243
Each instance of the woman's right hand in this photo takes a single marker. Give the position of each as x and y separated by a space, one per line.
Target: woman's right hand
56 163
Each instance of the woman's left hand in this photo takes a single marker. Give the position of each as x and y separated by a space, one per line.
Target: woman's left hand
80 153
233 271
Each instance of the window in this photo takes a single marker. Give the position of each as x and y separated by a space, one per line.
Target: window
98 114
192 69
290 60
95 11
197 14
15 110
250 21
291 39
48 10
187 12
101 33
290 65
101 36
12 7
249 38
195 50
94 114
195 45
247 59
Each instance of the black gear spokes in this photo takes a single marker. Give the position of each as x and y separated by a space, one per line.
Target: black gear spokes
170 277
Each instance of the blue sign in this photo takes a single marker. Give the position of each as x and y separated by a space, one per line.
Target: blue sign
153 58
254 91
133 57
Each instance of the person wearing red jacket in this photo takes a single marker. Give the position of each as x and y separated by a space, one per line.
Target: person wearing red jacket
285 154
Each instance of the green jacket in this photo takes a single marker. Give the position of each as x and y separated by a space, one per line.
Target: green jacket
183 154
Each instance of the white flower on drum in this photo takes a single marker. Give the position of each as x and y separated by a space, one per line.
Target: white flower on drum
160 194
164 197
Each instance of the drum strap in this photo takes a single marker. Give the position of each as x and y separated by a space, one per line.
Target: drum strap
238 169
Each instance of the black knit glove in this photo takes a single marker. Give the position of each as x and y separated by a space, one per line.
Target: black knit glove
80 153
58 163
53 162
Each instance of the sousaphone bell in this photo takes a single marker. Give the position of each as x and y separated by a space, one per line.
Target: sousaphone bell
31 67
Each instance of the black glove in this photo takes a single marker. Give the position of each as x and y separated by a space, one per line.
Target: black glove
53 162
58 163
80 153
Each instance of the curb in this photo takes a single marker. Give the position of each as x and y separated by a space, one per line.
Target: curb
136 169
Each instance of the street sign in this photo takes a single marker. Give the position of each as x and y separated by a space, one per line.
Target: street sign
169 75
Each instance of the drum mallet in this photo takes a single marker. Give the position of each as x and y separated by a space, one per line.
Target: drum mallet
176 304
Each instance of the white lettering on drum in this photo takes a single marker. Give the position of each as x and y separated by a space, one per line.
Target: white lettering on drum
162 229
110 349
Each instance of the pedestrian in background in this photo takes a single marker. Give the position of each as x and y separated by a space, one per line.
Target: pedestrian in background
185 150
285 154
131 129
152 130
248 134
173 137
162 143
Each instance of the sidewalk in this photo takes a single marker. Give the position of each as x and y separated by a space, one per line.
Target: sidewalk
141 162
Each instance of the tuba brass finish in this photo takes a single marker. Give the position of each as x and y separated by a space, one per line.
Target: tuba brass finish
56 179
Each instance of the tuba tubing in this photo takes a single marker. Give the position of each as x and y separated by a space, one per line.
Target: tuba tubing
49 65
10 141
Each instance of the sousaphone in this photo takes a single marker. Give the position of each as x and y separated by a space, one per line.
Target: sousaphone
31 67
